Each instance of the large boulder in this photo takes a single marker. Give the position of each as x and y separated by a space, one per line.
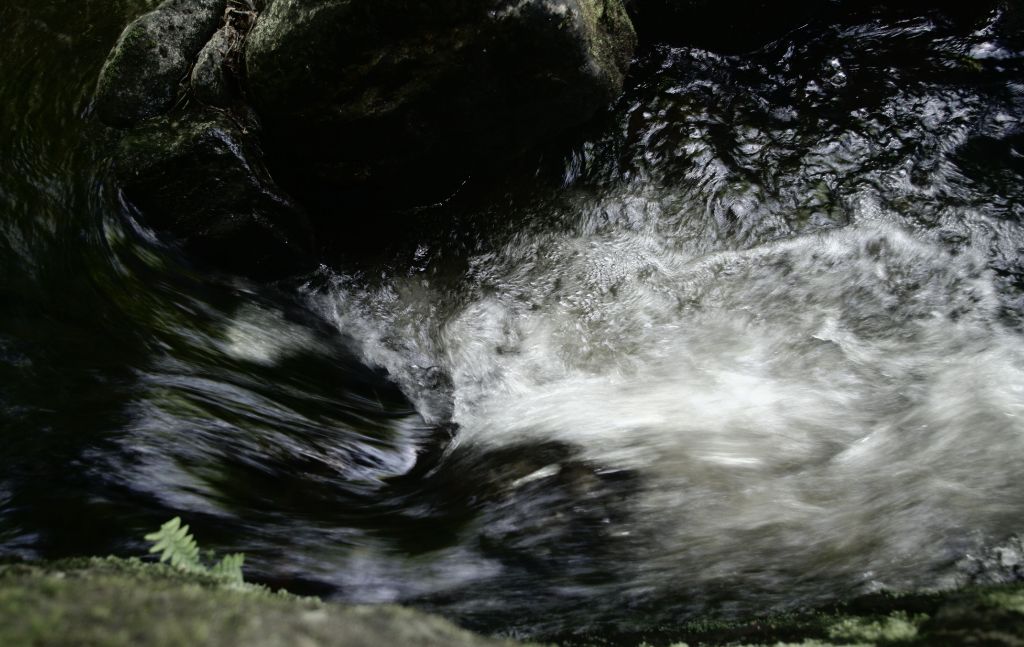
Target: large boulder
398 99
143 74
407 97
200 178
193 173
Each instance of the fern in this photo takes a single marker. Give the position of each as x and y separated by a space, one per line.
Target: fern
178 547
229 568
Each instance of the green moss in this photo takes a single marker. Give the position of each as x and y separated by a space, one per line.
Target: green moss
114 602
975 615
1011 600
894 628
611 37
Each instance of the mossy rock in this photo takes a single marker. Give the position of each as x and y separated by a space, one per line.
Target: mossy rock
143 74
988 615
113 602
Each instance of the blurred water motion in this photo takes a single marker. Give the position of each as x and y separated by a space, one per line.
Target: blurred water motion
753 342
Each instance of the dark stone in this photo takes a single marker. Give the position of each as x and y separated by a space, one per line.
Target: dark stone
396 99
200 179
143 74
217 73
210 80
407 97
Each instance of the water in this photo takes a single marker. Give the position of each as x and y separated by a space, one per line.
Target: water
754 341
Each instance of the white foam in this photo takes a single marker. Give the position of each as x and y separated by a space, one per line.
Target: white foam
263 336
839 408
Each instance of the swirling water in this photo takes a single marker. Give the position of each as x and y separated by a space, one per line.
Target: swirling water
752 342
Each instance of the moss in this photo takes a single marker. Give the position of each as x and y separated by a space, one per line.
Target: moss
1011 600
114 602
978 615
127 602
612 38
894 628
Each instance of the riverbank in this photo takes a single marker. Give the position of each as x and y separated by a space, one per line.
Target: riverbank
113 602
110 601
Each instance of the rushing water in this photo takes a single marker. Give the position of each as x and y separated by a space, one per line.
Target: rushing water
753 342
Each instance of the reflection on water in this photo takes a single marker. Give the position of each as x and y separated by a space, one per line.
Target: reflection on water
752 342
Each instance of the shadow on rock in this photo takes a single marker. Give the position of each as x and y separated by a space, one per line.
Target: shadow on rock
363 107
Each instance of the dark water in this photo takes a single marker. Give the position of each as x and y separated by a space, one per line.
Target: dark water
752 342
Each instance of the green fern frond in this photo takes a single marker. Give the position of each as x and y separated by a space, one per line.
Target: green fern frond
230 568
177 546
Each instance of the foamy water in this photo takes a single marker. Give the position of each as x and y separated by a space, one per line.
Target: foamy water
833 413
707 377
753 341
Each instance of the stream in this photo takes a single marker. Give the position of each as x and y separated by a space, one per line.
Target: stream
753 341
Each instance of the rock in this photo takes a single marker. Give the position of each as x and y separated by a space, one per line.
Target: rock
210 81
408 97
200 178
215 77
143 73
401 98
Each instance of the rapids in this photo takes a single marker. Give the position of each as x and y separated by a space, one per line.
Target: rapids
753 341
